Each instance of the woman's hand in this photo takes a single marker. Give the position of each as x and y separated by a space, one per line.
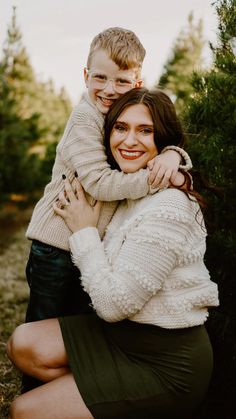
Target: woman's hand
74 208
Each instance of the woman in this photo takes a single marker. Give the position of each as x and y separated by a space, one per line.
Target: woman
144 352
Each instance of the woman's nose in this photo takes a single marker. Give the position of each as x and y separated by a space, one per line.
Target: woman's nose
131 139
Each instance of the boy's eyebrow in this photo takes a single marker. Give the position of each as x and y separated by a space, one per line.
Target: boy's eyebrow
118 76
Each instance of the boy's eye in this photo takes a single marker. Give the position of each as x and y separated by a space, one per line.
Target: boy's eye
123 82
99 77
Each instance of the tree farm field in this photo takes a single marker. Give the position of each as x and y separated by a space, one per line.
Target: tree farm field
14 249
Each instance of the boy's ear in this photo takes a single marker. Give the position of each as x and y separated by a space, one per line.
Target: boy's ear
86 76
138 83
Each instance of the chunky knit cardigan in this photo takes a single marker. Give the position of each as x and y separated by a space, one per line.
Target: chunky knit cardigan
81 149
149 267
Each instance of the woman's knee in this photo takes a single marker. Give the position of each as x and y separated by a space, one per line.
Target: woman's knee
13 410
21 348
37 349
17 344
18 409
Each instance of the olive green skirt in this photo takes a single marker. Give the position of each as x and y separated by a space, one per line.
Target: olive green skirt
130 370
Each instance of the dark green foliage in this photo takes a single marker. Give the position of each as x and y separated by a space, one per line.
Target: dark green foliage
17 167
211 119
32 117
185 57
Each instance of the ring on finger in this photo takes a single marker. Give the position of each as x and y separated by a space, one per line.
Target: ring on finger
63 204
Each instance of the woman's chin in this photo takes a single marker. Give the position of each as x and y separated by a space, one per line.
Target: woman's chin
126 169
132 166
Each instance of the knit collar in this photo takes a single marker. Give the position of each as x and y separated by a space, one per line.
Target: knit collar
86 98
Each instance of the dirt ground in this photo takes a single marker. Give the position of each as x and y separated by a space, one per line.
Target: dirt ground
14 248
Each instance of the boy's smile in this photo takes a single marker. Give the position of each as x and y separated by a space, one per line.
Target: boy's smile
103 102
106 82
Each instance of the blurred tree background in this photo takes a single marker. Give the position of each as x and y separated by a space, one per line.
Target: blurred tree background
32 118
205 100
211 119
185 57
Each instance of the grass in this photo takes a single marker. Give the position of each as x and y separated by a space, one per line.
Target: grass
14 249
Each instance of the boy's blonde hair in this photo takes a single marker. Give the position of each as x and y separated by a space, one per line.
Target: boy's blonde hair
122 46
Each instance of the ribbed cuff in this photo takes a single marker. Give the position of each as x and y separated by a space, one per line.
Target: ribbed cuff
83 240
188 162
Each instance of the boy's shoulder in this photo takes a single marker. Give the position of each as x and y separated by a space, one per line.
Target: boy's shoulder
86 111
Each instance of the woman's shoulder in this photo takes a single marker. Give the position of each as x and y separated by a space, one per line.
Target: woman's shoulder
173 197
172 203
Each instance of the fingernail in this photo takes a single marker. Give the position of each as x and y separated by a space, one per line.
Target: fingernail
63 176
76 174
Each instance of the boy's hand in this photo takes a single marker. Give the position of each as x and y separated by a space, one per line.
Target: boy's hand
163 169
74 208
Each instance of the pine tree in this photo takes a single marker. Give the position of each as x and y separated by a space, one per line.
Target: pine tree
18 70
34 117
186 56
211 119
17 167
31 95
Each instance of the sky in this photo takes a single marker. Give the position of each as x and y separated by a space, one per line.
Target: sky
57 33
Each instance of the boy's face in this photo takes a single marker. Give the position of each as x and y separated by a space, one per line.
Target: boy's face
106 82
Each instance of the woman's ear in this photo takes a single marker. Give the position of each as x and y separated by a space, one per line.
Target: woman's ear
86 76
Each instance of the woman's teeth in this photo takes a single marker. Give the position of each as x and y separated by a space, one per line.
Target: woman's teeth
125 153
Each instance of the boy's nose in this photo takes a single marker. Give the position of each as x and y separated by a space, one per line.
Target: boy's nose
109 88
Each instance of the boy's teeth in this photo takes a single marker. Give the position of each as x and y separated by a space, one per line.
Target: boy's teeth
106 101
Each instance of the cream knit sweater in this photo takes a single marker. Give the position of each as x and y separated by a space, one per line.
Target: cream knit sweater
81 149
149 267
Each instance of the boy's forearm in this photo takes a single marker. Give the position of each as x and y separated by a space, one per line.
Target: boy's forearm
112 185
85 154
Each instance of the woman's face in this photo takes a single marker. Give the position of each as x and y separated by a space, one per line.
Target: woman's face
132 138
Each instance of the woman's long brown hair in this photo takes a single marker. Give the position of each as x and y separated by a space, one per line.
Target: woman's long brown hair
167 129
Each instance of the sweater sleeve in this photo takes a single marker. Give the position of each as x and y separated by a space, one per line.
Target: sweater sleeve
120 286
83 151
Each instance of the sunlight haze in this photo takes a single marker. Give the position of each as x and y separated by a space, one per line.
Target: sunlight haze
57 33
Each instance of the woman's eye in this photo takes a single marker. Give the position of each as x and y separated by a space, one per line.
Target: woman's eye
146 131
119 127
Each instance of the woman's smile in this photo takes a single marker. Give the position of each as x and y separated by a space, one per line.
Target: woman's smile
132 138
131 155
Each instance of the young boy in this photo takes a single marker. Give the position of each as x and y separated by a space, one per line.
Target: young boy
113 67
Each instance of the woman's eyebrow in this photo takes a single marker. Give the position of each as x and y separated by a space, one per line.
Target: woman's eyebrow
119 121
146 125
